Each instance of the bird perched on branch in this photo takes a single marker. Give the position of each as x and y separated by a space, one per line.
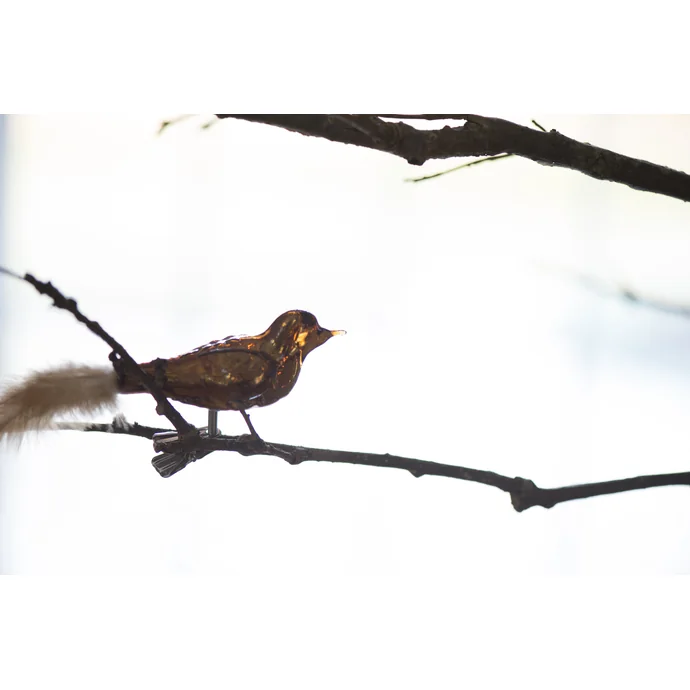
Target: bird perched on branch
235 373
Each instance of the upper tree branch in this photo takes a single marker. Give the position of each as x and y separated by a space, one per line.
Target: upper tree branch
483 136
524 493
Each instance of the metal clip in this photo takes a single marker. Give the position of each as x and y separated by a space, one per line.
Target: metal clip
167 464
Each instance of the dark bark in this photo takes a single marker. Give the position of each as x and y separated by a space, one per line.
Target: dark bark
524 493
482 136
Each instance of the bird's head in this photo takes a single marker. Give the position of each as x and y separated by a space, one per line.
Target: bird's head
297 331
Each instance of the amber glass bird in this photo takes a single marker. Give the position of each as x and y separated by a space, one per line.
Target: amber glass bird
230 374
237 373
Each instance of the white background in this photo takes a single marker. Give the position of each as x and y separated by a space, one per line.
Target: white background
469 342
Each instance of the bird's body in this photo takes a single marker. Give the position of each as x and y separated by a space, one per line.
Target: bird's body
235 373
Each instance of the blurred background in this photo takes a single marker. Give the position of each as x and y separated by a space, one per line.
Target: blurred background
484 328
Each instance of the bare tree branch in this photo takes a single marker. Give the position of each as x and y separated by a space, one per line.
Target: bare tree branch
524 493
607 289
482 136
164 406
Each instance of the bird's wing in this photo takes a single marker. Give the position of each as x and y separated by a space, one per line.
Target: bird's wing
219 378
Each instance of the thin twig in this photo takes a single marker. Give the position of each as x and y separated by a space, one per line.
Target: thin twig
12 274
459 167
164 406
524 493
482 137
180 118
167 123
605 289
252 430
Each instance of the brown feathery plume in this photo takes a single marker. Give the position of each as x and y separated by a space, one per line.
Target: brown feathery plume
33 403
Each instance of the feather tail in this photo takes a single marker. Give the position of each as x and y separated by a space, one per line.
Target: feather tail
33 403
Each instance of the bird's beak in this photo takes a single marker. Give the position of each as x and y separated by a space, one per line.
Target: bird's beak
323 334
310 340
